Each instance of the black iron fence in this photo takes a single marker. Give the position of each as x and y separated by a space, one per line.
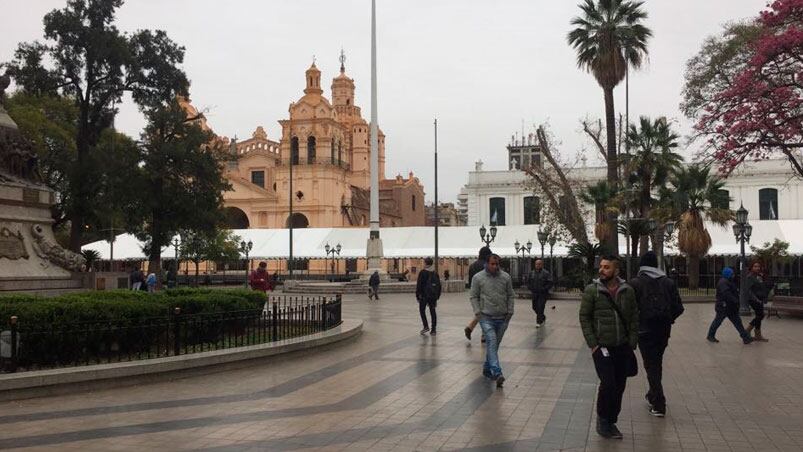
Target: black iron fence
85 343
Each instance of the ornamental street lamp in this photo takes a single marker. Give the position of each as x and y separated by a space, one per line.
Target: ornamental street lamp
742 230
669 229
543 237
488 238
522 249
245 248
332 250
552 241
176 243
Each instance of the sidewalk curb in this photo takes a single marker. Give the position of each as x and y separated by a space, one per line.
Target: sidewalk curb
69 380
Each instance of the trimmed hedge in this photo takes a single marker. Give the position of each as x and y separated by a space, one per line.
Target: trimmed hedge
39 313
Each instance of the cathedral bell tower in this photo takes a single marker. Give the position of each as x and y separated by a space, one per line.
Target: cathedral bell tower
343 86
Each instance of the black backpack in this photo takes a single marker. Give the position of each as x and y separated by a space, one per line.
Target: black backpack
655 304
432 290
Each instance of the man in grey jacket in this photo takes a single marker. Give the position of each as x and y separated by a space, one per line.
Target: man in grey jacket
492 302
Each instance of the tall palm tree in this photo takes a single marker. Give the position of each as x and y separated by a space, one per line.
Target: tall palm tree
653 144
698 196
601 195
609 36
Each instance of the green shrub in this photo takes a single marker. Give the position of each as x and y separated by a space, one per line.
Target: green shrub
78 326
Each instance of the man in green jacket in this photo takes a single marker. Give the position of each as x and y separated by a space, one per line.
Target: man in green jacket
611 336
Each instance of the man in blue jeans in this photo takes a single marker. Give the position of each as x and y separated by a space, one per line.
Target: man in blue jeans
492 302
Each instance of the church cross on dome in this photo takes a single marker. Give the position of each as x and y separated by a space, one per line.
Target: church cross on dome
342 61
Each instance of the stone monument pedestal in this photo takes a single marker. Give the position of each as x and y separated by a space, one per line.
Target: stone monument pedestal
30 258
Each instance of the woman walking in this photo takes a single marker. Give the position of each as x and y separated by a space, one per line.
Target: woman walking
754 288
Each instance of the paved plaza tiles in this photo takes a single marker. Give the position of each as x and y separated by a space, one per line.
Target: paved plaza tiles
391 389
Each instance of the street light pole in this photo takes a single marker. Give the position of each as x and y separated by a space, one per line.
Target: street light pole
552 241
437 217
543 237
245 248
490 237
176 244
522 249
742 230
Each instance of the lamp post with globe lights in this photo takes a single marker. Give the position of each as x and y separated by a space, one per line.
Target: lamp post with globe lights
245 248
742 230
333 251
522 249
488 237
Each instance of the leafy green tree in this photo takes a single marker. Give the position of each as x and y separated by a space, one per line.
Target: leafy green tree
609 36
49 124
217 245
602 196
179 183
698 195
772 253
87 59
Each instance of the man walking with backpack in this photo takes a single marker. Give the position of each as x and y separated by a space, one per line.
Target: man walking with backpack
539 283
659 305
427 292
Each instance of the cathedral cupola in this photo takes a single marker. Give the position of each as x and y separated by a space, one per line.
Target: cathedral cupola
342 85
313 80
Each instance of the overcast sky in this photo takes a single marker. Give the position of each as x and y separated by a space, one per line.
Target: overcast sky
480 66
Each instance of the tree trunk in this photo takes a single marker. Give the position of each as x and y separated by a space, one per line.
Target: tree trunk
197 264
613 166
79 202
693 269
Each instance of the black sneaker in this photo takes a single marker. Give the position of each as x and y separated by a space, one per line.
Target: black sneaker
747 340
424 331
500 380
433 333
487 374
604 429
712 339
656 412
467 330
615 433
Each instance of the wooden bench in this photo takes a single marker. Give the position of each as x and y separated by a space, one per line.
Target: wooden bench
789 305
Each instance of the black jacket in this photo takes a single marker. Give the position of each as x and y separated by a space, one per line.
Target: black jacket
421 285
668 286
539 282
727 296
476 267
373 280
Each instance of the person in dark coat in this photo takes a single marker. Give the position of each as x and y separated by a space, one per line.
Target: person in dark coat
727 307
427 292
659 305
373 286
755 292
539 283
476 267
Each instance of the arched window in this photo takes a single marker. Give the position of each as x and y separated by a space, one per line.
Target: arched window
768 204
332 151
532 210
294 151
311 150
413 203
497 211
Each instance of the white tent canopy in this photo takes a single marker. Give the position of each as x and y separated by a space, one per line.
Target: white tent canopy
418 242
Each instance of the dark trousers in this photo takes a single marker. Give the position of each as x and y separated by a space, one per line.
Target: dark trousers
758 307
611 371
652 346
539 305
422 306
733 316
373 292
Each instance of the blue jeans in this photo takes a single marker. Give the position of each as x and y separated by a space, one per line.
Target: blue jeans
493 330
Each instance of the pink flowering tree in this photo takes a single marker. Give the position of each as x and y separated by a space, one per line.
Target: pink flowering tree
759 113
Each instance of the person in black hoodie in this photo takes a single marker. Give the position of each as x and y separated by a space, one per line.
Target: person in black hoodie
476 267
427 292
659 305
727 306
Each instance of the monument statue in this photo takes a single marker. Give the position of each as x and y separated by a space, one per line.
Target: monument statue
30 257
